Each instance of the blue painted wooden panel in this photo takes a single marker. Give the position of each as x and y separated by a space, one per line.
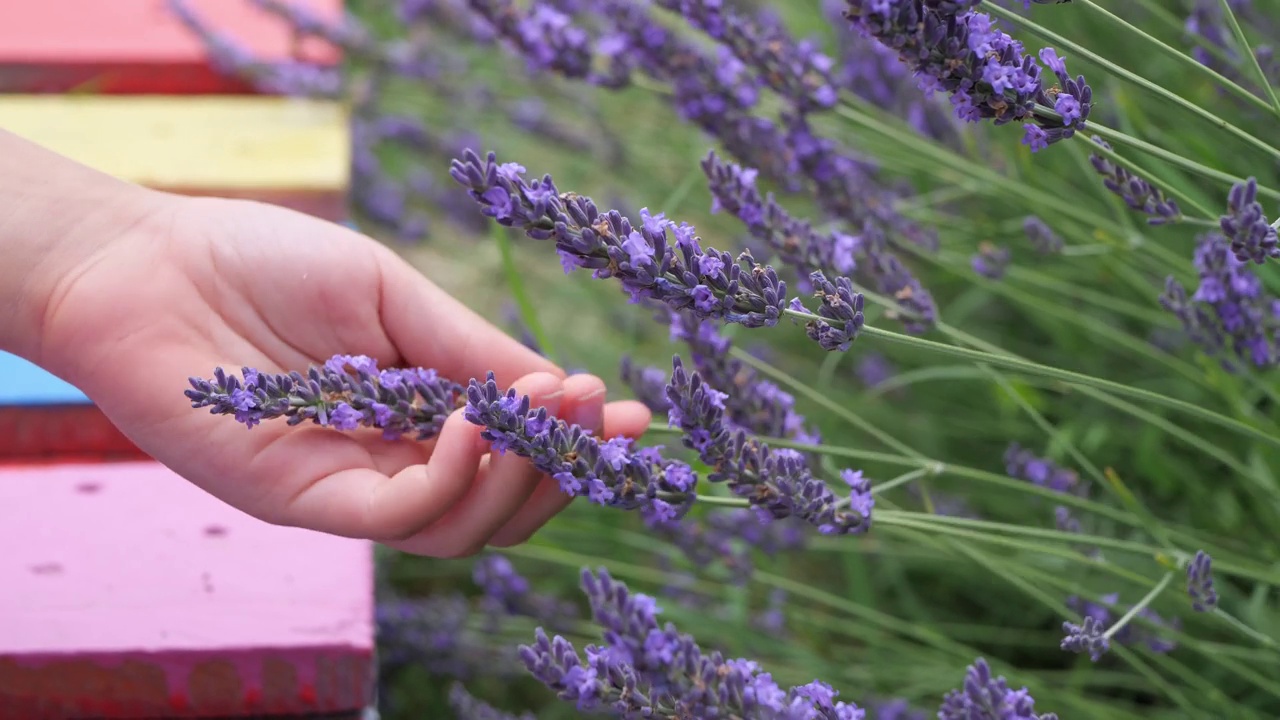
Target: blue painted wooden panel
25 384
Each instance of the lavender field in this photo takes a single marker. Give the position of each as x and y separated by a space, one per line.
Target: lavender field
959 321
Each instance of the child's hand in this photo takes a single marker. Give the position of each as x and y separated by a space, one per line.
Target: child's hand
192 284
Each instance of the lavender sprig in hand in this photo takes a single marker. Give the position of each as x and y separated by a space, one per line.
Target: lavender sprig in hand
609 473
345 393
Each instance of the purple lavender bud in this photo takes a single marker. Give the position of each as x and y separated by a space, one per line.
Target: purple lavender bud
643 670
432 634
988 698
346 393
873 72
991 261
1085 637
544 36
468 707
874 369
648 384
795 70
774 620
1246 227
728 539
796 243
1137 193
953 48
1042 237
866 255
1200 583
1024 465
752 403
611 472
1231 311
1064 520
777 483
1132 633
658 259
1207 26
897 710
840 310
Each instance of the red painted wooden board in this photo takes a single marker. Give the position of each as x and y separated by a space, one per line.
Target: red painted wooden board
130 593
43 418
138 46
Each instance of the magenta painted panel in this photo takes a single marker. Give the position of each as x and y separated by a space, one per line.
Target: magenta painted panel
126 586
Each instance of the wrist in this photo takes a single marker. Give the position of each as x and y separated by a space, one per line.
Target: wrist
55 214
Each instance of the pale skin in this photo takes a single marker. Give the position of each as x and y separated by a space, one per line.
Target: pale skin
126 292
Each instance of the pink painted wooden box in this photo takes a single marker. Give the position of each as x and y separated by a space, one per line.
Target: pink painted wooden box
130 593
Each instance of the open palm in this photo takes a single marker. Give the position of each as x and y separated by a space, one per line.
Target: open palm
201 283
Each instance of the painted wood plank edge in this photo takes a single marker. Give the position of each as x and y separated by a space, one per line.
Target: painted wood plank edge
210 142
151 32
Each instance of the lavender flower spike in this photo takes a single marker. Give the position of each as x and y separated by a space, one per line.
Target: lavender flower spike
1086 637
840 313
1200 583
1042 237
988 698
777 483
611 473
952 47
643 670
1245 225
658 259
1137 193
346 393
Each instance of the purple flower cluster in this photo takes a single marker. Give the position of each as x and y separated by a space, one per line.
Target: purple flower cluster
795 70
643 670
544 36
865 255
657 260
874 73
1246 227
508 593
1089 636
991 261
432 633
727 539
346 393
1207 26
1022 464
1136 192
1099 615
845 188
897 710
1231 312
1200 583
839 313
954 48
612 472
989 698
752 403
777 483
1042 237
873 369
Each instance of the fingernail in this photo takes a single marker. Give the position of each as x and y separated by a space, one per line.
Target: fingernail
589 412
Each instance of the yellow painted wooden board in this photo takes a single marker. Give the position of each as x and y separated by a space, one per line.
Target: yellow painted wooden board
206 142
